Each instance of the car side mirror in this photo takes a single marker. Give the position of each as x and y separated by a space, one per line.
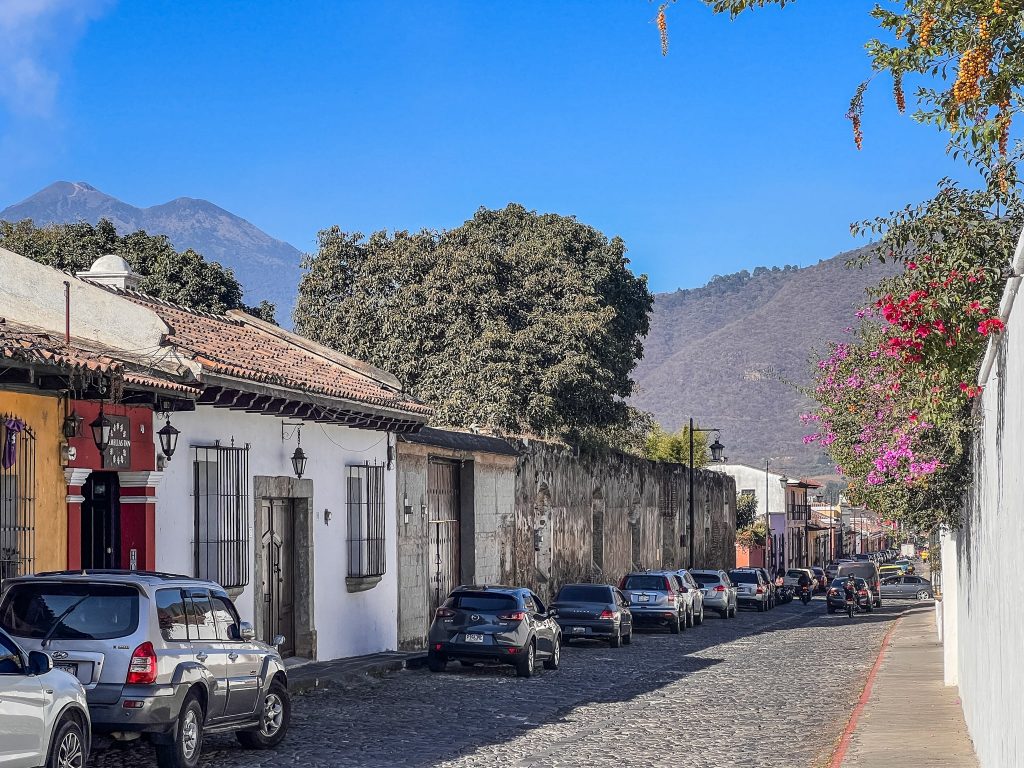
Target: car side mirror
552 612
39 663
246 632
278 641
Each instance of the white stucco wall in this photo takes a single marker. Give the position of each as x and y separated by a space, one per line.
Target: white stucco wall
989 625
347 624
752 478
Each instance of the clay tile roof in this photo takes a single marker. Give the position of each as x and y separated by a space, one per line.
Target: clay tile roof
243 347
34 347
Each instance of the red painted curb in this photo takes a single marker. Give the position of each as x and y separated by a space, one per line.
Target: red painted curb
851 726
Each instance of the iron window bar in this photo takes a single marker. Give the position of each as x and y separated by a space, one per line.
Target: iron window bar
221 495
365 506
18 504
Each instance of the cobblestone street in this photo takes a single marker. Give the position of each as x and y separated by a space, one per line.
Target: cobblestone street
764 689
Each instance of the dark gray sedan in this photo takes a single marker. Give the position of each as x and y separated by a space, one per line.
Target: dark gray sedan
907 587
594 612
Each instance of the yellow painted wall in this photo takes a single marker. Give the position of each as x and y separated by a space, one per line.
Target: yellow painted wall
44 415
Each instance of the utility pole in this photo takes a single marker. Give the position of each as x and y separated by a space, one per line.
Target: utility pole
716 455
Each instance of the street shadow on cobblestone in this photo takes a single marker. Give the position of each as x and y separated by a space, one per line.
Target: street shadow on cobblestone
418 719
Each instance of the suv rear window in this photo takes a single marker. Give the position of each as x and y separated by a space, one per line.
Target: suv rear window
744 577
705 578
97 611
476 601
645 581
586 594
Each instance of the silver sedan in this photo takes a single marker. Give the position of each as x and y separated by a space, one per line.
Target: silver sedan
907 587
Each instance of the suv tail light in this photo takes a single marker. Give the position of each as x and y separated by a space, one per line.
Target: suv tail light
863 593
670 598
607 614
444 613
720 588
142 668
514 616
760 591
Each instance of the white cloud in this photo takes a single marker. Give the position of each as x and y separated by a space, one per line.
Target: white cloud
35 39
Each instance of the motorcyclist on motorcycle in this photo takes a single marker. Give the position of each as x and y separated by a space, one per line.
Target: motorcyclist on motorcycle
850 588
803 585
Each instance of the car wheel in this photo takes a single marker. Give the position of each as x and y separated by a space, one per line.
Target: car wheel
700 616
734 609
526 663
436 662
615 641
923 594
627 639
556 655
68 747
674 626
187 746
275 716
878 603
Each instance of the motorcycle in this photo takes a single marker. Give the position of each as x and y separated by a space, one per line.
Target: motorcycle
850 604
805 594
783 595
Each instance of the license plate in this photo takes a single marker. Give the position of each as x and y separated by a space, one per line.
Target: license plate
71 669
579 630
644 599
474 638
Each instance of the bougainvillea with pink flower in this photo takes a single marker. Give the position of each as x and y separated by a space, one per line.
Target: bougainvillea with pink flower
894 405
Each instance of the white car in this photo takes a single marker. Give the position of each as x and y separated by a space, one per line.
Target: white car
44 718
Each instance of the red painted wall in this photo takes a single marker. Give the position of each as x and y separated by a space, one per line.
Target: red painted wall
143 450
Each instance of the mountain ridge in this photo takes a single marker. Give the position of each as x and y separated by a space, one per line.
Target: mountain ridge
266 267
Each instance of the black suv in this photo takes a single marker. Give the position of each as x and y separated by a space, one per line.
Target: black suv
508 625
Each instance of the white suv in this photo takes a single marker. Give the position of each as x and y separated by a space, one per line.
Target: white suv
44 718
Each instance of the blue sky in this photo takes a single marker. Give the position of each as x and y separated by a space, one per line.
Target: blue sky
730 153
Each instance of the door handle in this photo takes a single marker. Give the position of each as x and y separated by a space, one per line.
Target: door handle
201 656
232 656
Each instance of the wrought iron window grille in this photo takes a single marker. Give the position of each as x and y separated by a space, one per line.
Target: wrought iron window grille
17 500
365 505
220 491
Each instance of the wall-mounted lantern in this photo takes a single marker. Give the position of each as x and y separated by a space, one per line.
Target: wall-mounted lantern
72 424
168 437
299 456
100 427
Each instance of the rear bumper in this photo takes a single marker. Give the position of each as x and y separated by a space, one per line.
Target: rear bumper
751 599
654 616
584 628
507 654
151 709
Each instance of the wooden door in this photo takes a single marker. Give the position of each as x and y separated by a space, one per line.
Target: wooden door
278 542
444 563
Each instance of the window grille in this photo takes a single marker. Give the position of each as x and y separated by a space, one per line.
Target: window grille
365 486
17 498
221 492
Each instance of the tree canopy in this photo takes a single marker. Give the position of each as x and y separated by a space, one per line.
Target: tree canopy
183 277
521 321
675 447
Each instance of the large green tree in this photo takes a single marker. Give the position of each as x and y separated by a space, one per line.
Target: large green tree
521 321
183 277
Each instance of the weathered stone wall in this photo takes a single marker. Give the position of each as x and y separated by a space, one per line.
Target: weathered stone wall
599 516
552 516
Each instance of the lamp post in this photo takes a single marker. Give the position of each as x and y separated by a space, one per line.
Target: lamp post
717 450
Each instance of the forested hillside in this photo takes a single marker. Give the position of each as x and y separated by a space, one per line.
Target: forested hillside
730 354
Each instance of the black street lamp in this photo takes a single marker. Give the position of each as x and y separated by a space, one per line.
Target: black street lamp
716 455
168 438
299 462
100 427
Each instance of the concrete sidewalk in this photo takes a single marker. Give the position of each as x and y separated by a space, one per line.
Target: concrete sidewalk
911 718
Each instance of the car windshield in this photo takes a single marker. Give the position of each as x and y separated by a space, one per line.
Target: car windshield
743 577
795 574
104 611
645 581
705 578
485 603
576 593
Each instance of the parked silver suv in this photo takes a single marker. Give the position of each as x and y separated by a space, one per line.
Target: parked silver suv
161 655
